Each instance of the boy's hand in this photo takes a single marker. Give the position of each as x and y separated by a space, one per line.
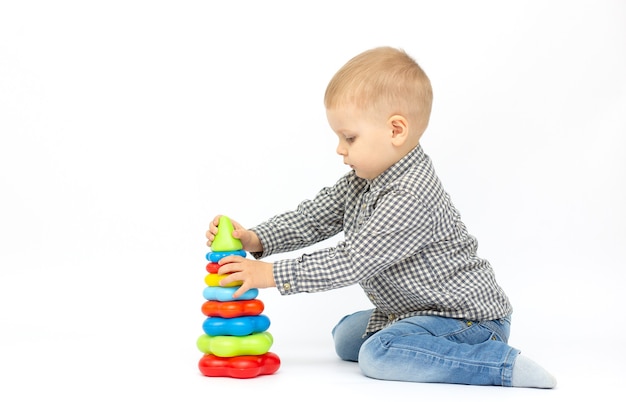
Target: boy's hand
249 239
253 273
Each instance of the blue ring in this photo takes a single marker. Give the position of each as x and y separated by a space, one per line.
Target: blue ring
226 294
216 256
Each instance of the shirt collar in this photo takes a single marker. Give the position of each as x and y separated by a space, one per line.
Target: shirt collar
399 168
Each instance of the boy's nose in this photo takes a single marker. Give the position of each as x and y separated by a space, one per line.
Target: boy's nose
341 150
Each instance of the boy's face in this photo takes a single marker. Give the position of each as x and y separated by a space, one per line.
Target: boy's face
365 140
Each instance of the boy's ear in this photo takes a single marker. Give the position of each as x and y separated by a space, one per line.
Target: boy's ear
399 129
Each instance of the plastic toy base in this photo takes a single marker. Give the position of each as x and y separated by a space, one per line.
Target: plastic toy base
239 366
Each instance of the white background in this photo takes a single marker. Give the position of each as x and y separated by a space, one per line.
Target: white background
127 125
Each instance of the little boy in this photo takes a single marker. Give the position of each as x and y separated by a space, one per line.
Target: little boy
439 314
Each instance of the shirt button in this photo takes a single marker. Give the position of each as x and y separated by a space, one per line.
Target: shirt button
287 286
371 296
391 317
363 206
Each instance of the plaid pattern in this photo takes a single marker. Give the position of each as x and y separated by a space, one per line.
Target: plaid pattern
404 243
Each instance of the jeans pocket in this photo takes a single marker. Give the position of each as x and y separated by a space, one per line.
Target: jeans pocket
500 329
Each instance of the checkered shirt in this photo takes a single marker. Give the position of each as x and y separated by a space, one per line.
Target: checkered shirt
404 243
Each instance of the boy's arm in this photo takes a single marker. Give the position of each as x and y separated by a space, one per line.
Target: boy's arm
313 221
390 235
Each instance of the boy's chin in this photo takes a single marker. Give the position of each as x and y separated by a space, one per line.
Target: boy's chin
361 176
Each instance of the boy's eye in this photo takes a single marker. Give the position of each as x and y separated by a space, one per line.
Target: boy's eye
350 140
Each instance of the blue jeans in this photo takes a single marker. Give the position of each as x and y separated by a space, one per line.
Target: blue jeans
429 349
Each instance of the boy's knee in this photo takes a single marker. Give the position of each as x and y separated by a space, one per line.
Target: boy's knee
348 335
345 345
369 358
345 354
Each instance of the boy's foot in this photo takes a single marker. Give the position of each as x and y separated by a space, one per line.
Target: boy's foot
527 373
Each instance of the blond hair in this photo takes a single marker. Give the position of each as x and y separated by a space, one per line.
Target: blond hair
386 78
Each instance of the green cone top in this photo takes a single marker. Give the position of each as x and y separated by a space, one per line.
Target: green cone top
224 240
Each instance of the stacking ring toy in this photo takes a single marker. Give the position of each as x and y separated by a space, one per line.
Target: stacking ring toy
235 342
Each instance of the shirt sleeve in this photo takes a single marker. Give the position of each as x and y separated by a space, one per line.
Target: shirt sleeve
398 227
313 221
